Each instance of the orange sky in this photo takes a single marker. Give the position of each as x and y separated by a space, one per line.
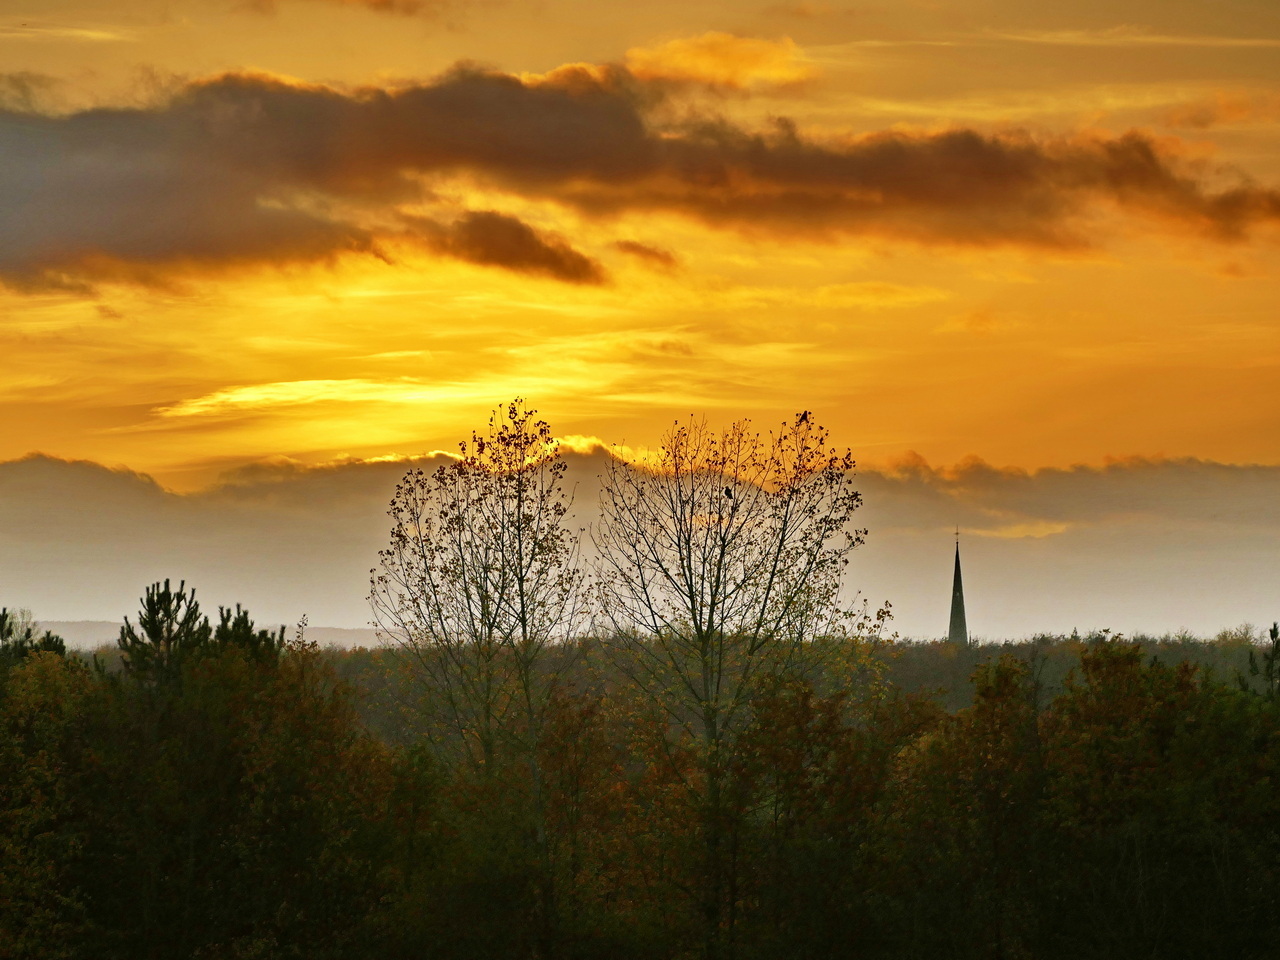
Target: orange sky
1042 234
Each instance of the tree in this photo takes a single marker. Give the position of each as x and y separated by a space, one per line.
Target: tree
170 629
478 584
43 756
959 852
19 638
237 630
481 577
1270 666
1160 784
241 800
719 564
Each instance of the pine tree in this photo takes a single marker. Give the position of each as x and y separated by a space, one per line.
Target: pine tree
170 629
18 638
237 630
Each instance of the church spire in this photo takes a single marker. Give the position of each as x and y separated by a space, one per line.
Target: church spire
959 632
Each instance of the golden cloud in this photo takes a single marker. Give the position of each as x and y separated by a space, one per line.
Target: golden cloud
74 33
239 400
1226 108
1035 530
426 8
867 295
723 60
1129 36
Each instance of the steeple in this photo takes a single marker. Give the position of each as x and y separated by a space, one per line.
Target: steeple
959 632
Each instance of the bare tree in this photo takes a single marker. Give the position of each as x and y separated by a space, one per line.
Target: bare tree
480 579
479 586
720 563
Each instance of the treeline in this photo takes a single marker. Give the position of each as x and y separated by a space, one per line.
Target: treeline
220 796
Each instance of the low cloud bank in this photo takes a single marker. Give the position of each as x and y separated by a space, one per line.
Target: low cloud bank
1133 545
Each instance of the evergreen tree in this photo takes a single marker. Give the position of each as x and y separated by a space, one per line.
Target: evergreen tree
170 629
19 638
1269 669
236 630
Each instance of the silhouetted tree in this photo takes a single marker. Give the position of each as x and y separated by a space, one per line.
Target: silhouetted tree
234 812
479 581
720 561
236 630
170 630
480 577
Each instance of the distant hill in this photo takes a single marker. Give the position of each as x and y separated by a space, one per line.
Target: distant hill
88 634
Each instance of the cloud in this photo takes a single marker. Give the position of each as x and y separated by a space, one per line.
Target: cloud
93 538
804 10
655 256
1226 108
407 8
494 239
866 295
272 397
76 34
26 91
247 169
988 499
1133 544
289 393
723 60
1129 36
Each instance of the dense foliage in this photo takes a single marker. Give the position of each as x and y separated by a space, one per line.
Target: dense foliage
252 797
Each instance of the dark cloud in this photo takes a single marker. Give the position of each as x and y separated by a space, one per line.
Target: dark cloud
245 168
27 91
655 256
494 239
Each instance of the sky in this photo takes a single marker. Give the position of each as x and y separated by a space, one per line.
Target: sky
1020 257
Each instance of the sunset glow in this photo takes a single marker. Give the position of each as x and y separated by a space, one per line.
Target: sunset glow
344 230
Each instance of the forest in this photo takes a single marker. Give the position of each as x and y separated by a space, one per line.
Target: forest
679 739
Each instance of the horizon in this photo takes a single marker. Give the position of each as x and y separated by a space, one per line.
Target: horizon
331 637
1123 547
